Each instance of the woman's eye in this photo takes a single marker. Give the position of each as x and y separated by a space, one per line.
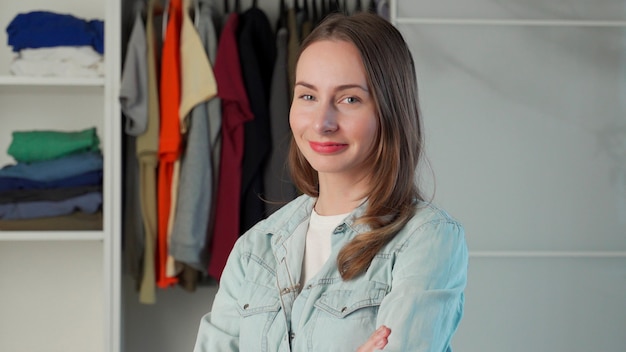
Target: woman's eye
351 100
306 97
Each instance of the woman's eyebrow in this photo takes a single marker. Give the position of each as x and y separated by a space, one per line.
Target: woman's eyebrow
338 88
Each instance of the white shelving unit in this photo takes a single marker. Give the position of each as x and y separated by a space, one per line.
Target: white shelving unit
59 290
52 236
51 81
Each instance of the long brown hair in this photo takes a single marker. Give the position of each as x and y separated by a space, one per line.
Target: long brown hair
391 78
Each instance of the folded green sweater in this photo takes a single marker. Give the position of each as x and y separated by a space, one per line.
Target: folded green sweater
29 146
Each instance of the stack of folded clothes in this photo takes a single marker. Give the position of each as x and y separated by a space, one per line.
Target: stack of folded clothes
52 44
56 183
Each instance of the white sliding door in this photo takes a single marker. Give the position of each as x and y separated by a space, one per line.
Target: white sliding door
524 104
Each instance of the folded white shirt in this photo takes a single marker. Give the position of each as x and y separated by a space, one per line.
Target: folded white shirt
41 68
82 55
66 61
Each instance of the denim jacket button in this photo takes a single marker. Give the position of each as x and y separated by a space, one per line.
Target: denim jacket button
339 229
245 306
344 309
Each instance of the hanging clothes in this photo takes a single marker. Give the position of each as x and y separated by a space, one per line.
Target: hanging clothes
134 104
235 113
169 137
293 46
210 41
187 243
382 9
279 188
210 32
134 85
208 162
257 52
306 22
147 146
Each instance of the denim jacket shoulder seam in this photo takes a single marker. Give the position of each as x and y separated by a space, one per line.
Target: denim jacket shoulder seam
419 228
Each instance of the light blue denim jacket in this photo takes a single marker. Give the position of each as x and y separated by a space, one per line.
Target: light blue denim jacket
414 286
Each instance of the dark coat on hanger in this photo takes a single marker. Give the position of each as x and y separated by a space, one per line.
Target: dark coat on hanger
257 52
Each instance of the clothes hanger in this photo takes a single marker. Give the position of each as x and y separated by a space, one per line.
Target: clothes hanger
282 15
158 7
372 6
344 8
226 6
165 17
305 9
237 6
196 12
254 4
334 6
139 7
316 16
358 7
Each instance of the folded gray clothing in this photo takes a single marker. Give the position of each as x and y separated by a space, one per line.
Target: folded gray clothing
51 194
87 203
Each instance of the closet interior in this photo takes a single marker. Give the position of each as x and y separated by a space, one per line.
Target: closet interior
226 171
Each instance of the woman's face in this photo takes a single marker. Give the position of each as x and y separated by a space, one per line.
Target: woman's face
333 115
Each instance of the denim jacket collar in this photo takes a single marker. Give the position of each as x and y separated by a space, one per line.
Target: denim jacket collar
282 228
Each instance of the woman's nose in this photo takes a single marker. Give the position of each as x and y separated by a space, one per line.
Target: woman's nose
326 119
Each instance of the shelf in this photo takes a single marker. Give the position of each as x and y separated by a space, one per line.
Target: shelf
547 254
509 22
50 81
51 235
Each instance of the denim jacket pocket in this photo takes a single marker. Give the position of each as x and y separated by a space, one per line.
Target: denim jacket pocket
257 299
347 303
258 307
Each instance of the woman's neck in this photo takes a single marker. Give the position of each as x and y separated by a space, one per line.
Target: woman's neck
339 196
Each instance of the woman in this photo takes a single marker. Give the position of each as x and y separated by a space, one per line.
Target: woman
360 261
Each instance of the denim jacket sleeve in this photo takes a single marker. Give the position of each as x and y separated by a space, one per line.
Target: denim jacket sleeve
425 304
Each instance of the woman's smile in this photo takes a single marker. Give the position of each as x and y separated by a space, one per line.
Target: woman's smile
328 147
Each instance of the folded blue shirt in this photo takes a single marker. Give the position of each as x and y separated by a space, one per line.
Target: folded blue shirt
86 179
55 169
39 29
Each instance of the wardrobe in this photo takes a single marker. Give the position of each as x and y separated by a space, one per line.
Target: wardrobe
524 115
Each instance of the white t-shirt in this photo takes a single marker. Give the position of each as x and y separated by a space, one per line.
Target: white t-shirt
318 242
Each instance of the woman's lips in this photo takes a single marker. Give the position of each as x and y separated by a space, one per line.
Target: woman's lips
327 147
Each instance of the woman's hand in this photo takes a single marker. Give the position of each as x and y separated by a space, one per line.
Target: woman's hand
377 341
